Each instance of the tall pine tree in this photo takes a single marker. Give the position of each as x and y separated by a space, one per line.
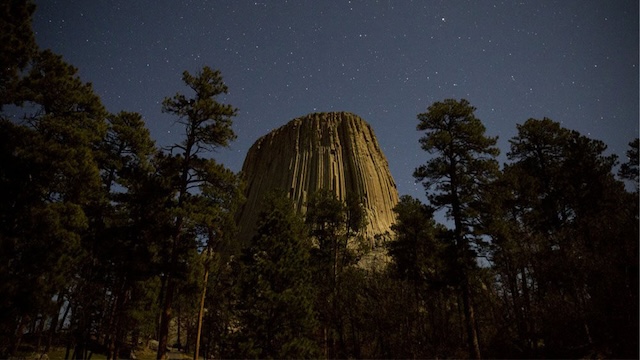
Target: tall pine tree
462 164
50 180
207 124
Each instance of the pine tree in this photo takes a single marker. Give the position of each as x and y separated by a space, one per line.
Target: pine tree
629 170
275 292
17 46
53 184
121 222
462 165
570 237
334 227
207 125
422 259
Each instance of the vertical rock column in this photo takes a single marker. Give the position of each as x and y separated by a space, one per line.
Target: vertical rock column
336 151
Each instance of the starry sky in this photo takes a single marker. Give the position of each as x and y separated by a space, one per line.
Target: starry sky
574 61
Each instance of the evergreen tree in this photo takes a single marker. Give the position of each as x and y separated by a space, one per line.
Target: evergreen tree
222 194
423 258
52 179
70 178
276 297
512 246
17 46
334 227
629 170
207 125
417 248
122 223
454 178
565 238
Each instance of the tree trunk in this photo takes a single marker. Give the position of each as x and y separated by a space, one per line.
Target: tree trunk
40 330
113 326
463 250
66 353
54 322
115 323
326 342
165 320
18 335
472 335
160 301
201 313
179 320
163 339
528 321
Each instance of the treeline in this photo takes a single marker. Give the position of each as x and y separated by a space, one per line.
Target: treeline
107 239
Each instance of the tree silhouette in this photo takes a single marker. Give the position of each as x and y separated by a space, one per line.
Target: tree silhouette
563 247
207 125
629 170
276 308
462 165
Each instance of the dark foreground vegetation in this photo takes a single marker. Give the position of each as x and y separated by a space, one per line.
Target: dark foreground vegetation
106 240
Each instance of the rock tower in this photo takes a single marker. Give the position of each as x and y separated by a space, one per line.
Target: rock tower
338 151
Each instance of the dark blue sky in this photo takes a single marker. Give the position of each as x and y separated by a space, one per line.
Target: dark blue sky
573 61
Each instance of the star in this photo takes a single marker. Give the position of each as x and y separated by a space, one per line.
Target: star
498 57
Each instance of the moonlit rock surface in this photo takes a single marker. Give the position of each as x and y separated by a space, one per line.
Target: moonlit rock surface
338 151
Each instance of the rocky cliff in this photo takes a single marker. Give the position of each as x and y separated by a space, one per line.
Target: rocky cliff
338 151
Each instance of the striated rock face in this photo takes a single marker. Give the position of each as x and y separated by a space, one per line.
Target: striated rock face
338 151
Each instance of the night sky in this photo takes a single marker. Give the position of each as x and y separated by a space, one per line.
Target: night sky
573 61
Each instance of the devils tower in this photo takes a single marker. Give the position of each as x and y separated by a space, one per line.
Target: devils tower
336 151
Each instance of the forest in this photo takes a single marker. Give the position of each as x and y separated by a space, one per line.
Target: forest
108 241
